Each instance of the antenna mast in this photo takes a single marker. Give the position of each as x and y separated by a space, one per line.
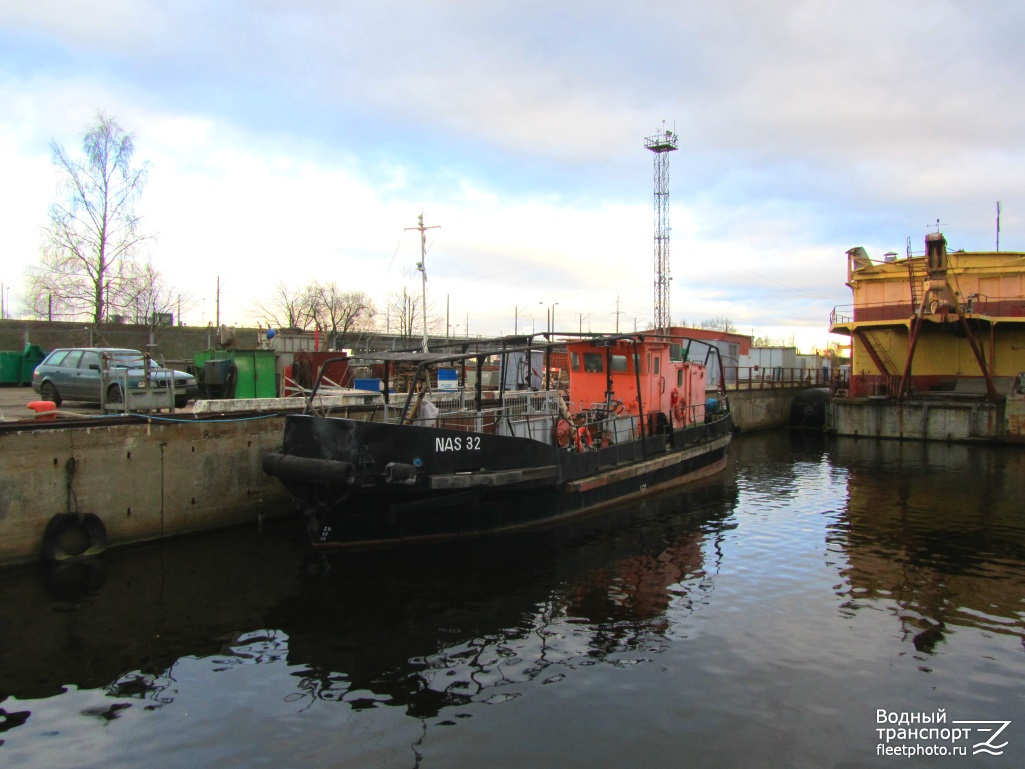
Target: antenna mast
662 144
422 266
998 225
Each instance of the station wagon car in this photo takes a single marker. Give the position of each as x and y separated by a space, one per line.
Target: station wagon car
82 373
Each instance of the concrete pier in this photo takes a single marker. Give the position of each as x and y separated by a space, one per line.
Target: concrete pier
144 481
169 475
930 419
762 409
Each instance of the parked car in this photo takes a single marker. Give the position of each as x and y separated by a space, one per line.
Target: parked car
81 373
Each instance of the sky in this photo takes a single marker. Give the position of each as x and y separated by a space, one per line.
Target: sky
292 142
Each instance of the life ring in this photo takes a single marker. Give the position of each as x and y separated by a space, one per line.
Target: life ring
677 407
583 438
74 535
562 432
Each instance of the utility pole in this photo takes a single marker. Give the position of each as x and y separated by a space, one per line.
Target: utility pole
422 266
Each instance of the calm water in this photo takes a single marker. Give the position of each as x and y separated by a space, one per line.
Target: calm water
760 620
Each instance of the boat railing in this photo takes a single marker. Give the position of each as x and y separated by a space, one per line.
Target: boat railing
544 416
512 403
528 414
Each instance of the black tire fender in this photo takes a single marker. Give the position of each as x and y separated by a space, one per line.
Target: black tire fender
74 535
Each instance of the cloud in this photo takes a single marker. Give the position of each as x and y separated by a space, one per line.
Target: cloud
300 140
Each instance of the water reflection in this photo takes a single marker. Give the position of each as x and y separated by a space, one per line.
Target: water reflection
372 628
86 624
424 628
815 581
936 529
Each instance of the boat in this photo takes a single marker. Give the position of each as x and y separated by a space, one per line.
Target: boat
489 437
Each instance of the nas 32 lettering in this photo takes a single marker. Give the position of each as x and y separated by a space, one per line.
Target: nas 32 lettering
469 443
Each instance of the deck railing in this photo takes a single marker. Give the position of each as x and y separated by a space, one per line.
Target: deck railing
777 377
975 304
544 416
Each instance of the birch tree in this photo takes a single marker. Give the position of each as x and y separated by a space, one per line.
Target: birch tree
93 237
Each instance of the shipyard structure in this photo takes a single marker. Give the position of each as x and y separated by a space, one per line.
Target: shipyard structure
937 346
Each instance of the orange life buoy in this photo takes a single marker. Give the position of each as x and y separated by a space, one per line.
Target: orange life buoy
678 408
563 430
583 438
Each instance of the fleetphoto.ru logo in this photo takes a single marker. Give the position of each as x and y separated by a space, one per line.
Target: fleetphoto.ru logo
932 734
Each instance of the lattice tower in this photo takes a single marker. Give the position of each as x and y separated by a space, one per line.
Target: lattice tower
662 144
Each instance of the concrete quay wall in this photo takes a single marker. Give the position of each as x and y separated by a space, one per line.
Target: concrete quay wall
762 409
144 481
939 420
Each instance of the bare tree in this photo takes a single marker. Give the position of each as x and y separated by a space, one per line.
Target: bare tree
769 341
93 234
287 308
152 299
720 323
404 315
337 312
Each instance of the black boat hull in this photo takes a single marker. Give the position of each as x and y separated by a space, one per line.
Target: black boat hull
362 483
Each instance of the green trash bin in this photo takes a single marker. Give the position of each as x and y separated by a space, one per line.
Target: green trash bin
31 357
10 367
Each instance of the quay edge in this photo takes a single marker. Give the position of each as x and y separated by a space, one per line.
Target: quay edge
936 419
143 481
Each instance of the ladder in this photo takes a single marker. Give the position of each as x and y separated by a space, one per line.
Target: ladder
912 282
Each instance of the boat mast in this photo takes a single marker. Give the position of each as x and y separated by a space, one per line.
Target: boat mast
422 266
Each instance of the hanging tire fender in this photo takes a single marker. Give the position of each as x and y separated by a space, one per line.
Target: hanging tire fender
74 535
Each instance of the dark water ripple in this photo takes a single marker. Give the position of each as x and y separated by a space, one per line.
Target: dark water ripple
760 619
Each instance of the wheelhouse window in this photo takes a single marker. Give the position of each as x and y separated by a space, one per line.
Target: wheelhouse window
593 362
574 361
618 364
